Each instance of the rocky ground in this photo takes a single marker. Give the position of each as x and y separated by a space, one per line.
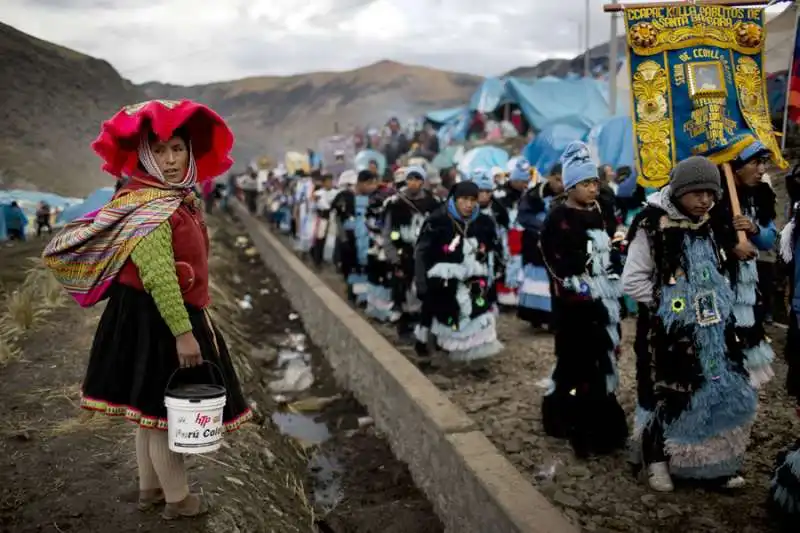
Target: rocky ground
63 470
601 494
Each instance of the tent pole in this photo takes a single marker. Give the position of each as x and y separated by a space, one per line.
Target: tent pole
612 65
586 60
789 85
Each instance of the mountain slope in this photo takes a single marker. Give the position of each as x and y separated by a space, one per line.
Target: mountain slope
598 57
52 101
273 114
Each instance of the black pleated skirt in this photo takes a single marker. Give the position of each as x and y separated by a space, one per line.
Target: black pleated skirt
134 356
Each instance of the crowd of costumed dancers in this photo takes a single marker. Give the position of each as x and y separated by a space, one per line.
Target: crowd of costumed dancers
441 264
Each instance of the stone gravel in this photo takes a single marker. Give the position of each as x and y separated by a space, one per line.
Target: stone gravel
602 494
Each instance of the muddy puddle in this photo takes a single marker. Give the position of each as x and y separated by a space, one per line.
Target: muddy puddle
353 481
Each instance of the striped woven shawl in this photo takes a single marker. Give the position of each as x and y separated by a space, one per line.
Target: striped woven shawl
89 252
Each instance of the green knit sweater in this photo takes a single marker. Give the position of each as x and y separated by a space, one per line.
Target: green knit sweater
155 260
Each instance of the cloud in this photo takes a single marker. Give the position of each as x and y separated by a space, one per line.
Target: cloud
200 41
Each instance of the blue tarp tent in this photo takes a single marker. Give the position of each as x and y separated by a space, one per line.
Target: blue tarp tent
550 100
30 199
444 116
546 148
456 129
94 201
483 157
29 202
611 142
490 95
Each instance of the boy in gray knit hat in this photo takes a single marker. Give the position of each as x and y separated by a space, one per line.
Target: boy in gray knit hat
675 271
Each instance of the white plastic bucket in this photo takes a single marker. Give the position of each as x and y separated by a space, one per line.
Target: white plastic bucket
194 418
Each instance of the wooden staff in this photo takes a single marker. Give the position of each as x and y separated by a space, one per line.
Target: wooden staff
614 8
736 208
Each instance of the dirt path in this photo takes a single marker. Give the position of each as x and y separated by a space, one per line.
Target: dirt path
602 494
61 470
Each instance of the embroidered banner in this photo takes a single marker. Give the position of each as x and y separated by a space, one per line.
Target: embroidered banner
697 85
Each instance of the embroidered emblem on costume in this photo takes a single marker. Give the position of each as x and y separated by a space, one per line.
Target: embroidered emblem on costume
678 305
705 306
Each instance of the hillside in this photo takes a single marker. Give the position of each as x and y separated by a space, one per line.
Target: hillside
272 114
52 101
598 57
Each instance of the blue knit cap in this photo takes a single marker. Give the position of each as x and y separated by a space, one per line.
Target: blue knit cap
415 170
521 171
577 165
482 178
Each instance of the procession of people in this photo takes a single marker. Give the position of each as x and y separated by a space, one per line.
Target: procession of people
438 266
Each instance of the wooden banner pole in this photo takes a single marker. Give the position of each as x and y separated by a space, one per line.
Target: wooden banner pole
612 8
736 208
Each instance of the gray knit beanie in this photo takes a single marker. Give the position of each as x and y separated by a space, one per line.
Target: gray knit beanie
696 173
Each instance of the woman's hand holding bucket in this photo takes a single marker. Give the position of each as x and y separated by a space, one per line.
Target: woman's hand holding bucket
188 350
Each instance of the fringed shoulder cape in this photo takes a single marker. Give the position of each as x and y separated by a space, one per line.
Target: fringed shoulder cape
580 403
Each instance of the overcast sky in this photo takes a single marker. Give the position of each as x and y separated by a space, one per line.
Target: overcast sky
198 41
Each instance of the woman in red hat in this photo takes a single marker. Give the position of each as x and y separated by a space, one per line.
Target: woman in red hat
146 251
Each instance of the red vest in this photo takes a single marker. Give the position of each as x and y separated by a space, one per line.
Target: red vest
190 246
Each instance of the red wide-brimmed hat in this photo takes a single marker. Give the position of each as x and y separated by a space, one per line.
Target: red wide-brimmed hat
211 138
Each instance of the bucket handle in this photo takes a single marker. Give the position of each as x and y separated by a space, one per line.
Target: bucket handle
213 366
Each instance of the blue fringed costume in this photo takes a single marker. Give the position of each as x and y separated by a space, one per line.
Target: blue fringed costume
380 303
405 214
509 198
453 277
757 202
351 210
534 294
696 406
581 403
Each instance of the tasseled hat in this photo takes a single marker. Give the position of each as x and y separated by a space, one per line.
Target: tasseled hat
577 165
521 170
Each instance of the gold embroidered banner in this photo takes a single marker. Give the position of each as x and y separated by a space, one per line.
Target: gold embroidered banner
697 85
